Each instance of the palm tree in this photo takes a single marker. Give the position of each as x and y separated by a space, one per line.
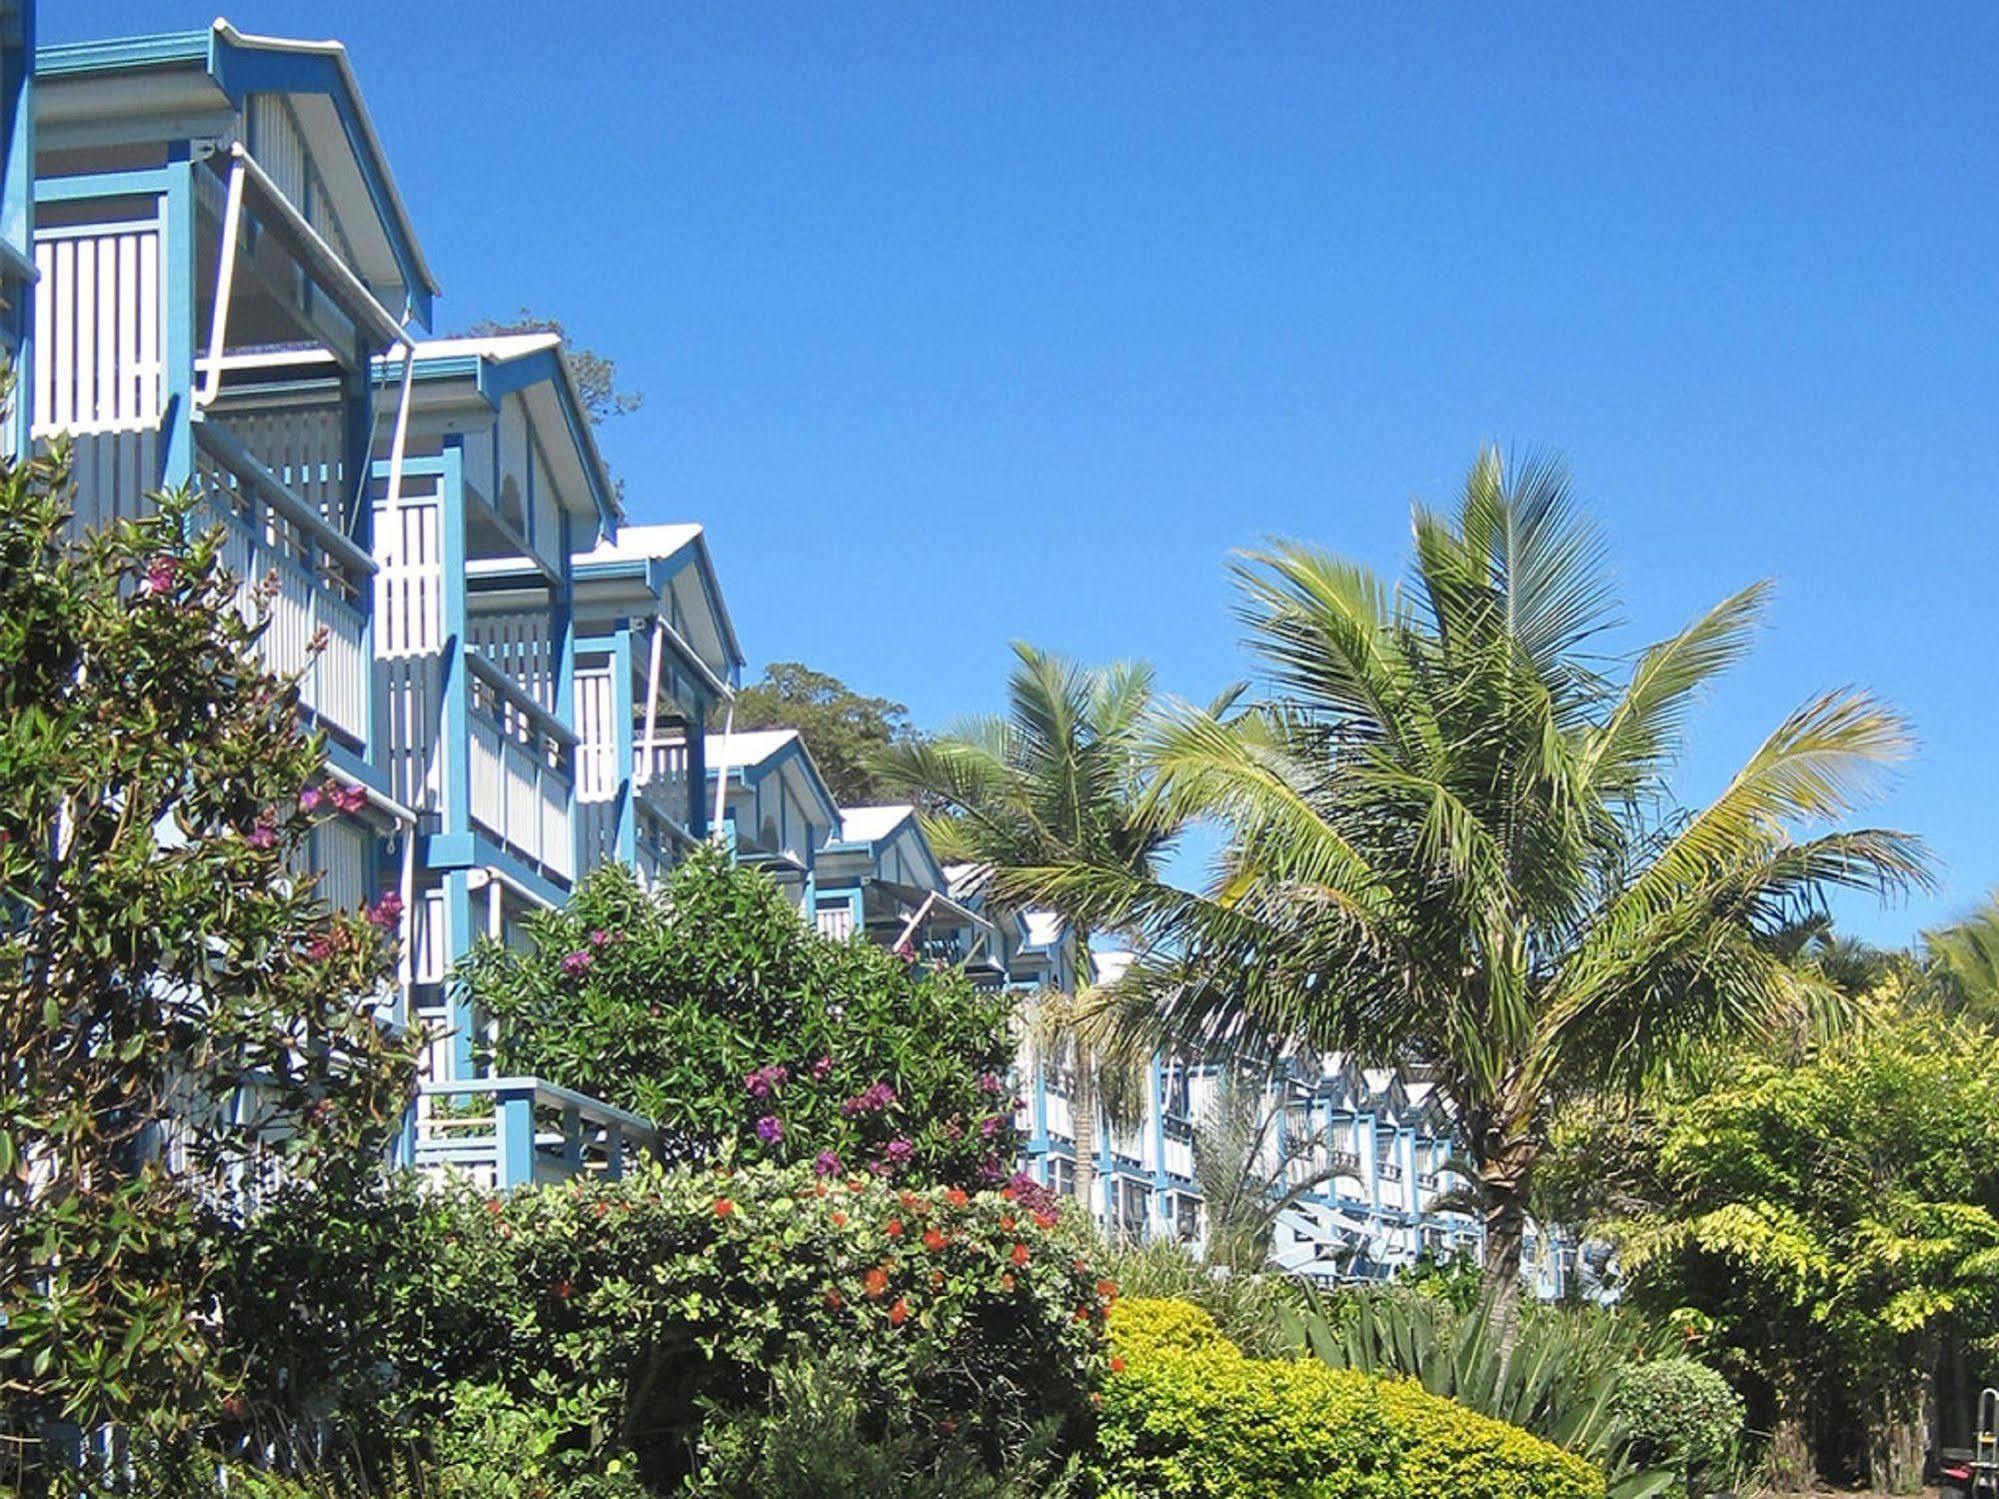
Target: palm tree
1057 780
1961 963
1452 839
1250 1170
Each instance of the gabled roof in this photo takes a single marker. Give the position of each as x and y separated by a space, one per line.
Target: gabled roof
239 64
504 364
751 755
874 825
652 557
748 749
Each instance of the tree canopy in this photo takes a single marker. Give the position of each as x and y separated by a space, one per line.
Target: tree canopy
843 728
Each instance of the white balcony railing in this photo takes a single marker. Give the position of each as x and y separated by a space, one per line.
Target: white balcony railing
504 1132
521 782
316 627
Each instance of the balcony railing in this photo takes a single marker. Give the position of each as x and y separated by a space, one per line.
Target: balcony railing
319 577
507 1132
521 780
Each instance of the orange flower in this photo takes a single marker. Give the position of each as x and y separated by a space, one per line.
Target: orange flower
1117 1364
723 1207
1020 1255
935 1239
1107 1289
1006 1222
936 1280
876 1282
1044 1220
906 1197
834 1299
1082 1314
956 1197
601 1208
895 1228
562 1290
1007 1193
899 1313
1006 1280
839 1218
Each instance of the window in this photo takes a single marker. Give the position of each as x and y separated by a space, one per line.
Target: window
1062 1175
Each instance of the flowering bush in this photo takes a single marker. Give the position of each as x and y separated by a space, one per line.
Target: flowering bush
714 1010
648 1301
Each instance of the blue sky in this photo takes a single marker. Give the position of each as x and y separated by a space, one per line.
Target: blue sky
961 323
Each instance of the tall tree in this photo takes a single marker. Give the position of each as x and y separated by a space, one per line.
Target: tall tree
596 375
1058 780
1453 840
843 728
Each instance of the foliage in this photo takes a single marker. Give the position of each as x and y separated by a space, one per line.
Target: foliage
1679 1414
1962 963
617 1313
1557 1377
843 729
1248 1180
713 1009
819 1434
1452 836
1057 780
1186 1414
169 989
1250 1309
1832 1219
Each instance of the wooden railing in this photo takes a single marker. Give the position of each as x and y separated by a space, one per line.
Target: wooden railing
521 770
317 625
97 328
506 1132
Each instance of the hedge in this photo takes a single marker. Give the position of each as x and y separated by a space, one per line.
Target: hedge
1185 1413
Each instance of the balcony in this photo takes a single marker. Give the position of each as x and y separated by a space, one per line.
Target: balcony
505 1132
316 628
521 757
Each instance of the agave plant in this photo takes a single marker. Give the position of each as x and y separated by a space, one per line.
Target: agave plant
1558 1379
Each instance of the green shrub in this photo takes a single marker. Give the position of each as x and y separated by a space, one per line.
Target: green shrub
1680 1414
620 1312
1252 1310
1186 1414
712 1009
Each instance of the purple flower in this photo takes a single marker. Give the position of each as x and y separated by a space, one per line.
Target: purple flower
160 574
871 1099
990 1126
348 799
820 1068
578 963
989 1169
599 938
899 1151
826 1164
263 835
989 1082
770 1129
387 913
767 1080
308 799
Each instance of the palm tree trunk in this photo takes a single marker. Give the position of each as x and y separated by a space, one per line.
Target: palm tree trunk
1505 1238
1083 1128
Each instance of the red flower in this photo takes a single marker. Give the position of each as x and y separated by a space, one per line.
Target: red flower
1107 1289
906 1197
1020 1255
895 1228
899 1313
1044 1220
493 1206
601 1208
935 1239
876 1283
1007 1193
834 1299
936 1280
1117 1364
562 1290
1082 1314
1006 1280
723 1207
1006 1222
956 1197
839 1218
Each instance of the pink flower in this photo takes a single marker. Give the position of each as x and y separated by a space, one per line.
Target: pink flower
599 938
386 914
263 835
820 1068
767 1080
348 799
160 575
989 1082
989 1126
578 963
319 949
906 950
826 1164
308 799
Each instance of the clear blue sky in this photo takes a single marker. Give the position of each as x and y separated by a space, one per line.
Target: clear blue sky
960 323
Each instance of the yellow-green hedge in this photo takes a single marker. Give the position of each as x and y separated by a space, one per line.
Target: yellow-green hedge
1185 1414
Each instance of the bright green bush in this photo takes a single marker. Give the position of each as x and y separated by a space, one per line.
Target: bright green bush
1186 1414
711 1008
1256 1312
1679 1413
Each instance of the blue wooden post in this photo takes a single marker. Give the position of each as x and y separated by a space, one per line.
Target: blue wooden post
614 1152
455 748
177 303
459 937
697 772
1156 1091
514 1118
624 710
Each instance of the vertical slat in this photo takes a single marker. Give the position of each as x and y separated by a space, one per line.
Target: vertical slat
126 404
149 375
112 310
84 412
45 324
62 407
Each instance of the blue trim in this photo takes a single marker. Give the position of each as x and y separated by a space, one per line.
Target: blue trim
177 261
622 706
454 679
504 377
458 940
158 50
